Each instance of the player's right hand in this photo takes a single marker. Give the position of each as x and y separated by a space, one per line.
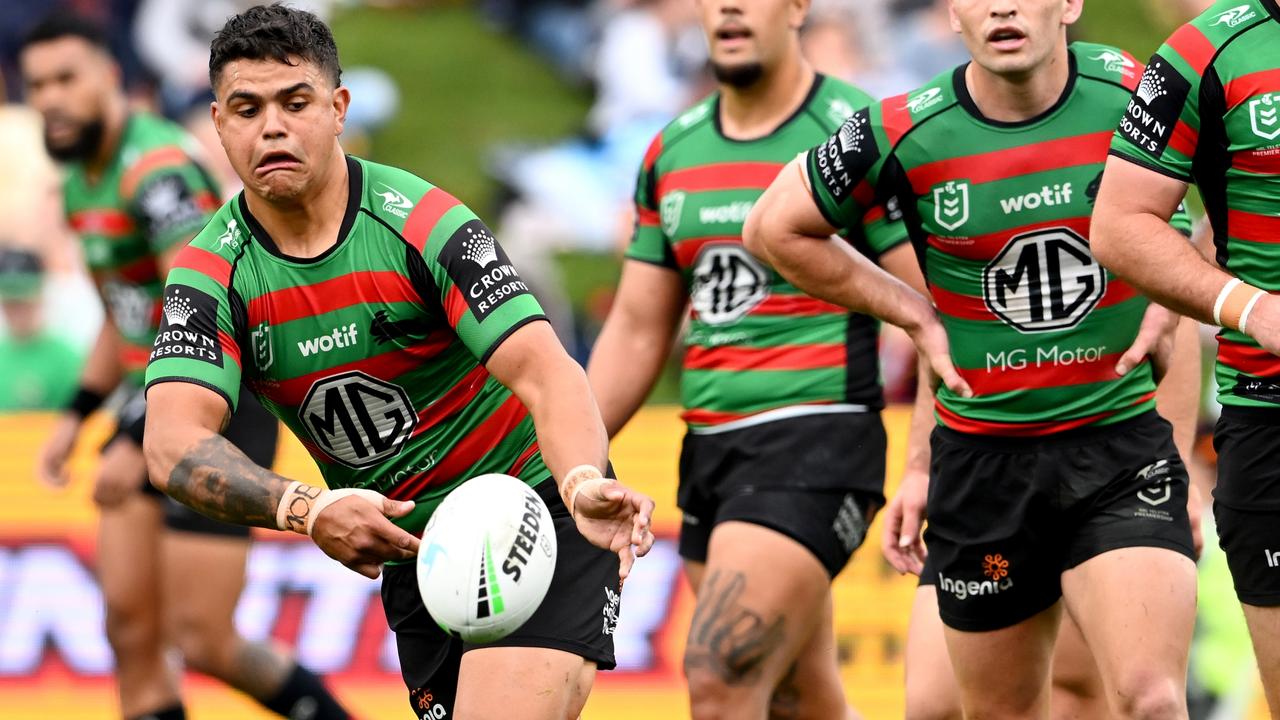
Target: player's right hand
900 540
52 466
355 531
931 341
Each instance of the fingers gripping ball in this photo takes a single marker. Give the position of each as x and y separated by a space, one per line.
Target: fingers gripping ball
487 558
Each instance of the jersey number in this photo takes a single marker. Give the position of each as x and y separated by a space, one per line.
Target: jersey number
357 419
1044 280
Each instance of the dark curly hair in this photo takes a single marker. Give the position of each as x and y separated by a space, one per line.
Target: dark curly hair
275 32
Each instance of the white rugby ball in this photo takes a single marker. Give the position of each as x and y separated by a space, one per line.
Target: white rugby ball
486 558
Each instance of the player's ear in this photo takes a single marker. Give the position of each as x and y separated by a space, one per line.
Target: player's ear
341 101
216 116
1072 11
955 19
799 10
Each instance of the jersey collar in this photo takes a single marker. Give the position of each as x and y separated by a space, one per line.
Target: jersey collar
818 79
355 192
1272 7
966 100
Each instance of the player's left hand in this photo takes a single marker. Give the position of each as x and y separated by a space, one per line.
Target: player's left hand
1155 340
121 472
612 515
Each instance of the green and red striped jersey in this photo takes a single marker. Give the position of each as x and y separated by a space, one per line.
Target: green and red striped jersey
151 196
755 343
373 352
998 213
1208 111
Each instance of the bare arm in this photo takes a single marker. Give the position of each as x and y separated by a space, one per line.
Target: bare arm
535 367
189 460
635 341
786 230
1130 231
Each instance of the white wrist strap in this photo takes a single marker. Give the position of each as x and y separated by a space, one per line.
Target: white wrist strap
329 497
1222 298
1244 316
301 504
577 478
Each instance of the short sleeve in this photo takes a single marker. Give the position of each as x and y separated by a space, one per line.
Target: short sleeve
483 296
171 197
648 241
884 227
1160 127
841 172
196 342
1181 220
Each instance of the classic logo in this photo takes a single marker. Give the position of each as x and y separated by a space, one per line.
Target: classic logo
924 100
1115 62
839 110
1044 280
1264 116
394 201
230 238
670 210
694 114
951 204
260 342
358 419
727 283
1234 16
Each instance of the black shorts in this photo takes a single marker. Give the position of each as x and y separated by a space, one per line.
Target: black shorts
1246 501
818 479
1007 516
579 615
252 429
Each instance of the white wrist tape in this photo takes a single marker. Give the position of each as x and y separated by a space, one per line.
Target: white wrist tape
574 480
1244 316
1222 298
301 504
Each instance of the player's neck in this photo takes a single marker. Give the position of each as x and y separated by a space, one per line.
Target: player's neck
307 226
753 112
113 123
1020 98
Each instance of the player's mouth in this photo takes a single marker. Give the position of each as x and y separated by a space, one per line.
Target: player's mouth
276 160
1007 38
732 35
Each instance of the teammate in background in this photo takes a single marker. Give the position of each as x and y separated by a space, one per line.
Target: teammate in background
783 465
377 317
135 196
1206 112
1056 481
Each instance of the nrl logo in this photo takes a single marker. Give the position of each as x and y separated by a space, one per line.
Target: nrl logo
1263 116
1235 16
925 100
1115 62
951 204
260 339
670 210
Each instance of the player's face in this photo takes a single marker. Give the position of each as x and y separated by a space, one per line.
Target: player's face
748 37
278 124
68 81
1013 37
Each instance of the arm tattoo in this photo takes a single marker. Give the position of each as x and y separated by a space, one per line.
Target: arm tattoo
217 479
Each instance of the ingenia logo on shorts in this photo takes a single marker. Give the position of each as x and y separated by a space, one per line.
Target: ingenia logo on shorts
994 567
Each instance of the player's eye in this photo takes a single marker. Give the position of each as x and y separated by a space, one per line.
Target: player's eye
296 105
246 111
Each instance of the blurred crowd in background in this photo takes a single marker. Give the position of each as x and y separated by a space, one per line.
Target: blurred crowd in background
640 61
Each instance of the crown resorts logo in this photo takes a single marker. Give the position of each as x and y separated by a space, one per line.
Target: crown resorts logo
479 247
1152 86
852 133
178 309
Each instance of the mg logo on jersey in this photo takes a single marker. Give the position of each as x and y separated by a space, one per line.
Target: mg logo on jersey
1044 280
951 204
394 201
357 419
1235 16
670 210
1264 117
260 342
727 283
925 100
